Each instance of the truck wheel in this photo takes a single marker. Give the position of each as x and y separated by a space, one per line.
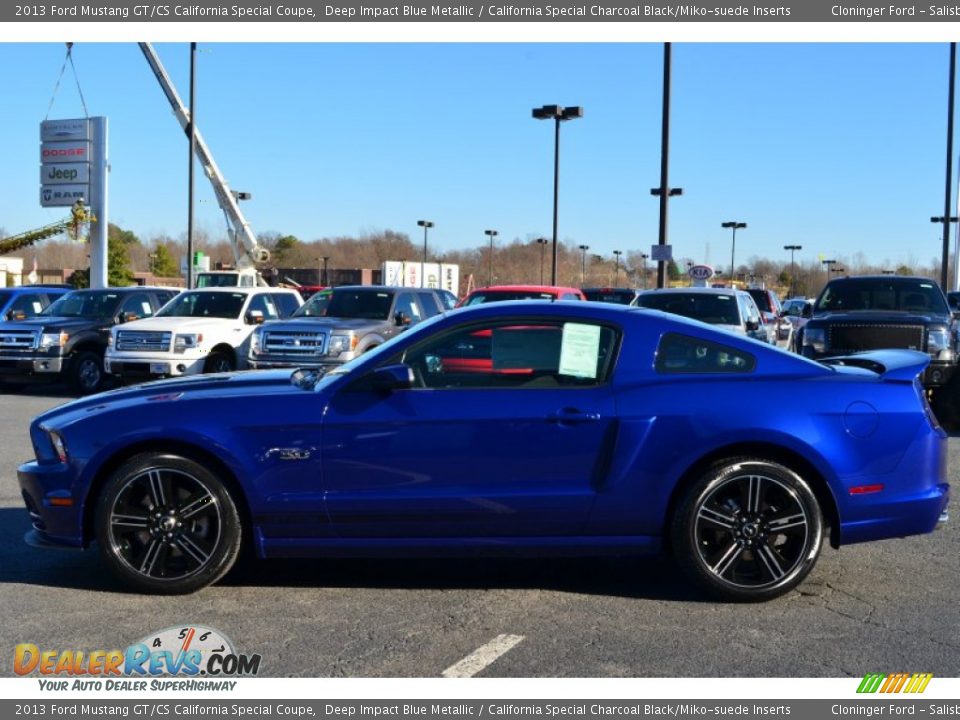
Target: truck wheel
86 373
167 525
219 362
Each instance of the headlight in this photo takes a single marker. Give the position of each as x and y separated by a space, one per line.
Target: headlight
59 447
48 340
938 340
181 343
815 339
256 341
341 344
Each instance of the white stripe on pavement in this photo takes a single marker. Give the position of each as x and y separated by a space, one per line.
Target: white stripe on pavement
482 656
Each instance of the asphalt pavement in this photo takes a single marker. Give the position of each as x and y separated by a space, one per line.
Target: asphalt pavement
888 606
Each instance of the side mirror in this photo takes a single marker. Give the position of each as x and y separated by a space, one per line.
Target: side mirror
807 311
16 315
388 378
401 319
255 317
130 317
752 325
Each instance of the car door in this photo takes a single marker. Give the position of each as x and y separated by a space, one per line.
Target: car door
506 432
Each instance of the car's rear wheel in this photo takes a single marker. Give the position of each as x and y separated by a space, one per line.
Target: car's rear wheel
748 530
166 524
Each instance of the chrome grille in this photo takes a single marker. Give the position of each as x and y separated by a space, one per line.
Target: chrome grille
136 341
17 340
293 343
852 337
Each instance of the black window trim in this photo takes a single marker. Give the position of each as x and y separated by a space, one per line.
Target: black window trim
712 373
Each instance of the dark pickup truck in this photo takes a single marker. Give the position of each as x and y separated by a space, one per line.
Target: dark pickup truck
68 339
337 325
879 312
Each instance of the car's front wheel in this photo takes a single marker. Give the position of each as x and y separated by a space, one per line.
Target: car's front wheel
165 524
86 372
748 530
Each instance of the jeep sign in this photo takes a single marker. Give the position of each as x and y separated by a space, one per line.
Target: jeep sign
65 173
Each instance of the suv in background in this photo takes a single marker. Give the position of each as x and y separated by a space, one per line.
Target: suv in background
338 324
496 293
202 331
68 339
25 301
728 309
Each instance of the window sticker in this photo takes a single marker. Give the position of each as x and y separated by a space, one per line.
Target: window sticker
37 307
579 350
145 307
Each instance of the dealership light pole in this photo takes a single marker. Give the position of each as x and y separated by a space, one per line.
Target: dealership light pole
616 267
558 114
192 131
583 262
946 219
490 234
734 226
425 224
664 192
643 258
793 267
827 264
542 242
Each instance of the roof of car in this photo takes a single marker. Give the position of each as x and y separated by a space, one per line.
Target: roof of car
125 289
243 290
699 290
527 288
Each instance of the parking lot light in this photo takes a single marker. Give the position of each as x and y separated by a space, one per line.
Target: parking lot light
542 242
425 224
490 234
558 114
616 267
734 226
583 262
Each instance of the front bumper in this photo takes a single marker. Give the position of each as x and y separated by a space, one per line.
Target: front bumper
54 525
31 365
282 364
152 365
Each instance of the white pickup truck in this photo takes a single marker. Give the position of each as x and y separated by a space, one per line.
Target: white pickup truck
199 331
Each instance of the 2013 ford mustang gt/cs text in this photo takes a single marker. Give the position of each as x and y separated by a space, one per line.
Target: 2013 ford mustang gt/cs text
513 428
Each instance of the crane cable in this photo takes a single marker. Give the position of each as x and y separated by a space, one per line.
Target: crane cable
56 88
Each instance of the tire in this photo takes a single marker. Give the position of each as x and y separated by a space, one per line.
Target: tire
219 362
748 530
166 525
86 373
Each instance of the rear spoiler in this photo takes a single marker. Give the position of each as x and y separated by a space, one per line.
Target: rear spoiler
890 365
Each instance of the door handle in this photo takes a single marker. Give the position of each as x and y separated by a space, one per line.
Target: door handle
573 416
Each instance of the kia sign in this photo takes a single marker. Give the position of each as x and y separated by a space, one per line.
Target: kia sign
64 130
64 173
59 152
57 195
701 272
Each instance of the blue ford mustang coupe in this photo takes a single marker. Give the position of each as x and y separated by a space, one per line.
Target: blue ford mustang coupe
512 428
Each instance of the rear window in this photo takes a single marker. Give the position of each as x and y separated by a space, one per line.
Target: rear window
499 295
710 308
762 299
620 297
680 354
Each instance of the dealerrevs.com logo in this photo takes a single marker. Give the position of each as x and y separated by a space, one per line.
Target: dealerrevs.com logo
180 651
894 682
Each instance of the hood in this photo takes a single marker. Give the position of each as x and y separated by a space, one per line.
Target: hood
326 323
249 383
882 317
174 324
56 324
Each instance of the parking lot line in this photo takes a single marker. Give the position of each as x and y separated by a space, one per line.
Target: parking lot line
482 656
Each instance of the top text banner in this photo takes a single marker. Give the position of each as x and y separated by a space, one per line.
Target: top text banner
474 11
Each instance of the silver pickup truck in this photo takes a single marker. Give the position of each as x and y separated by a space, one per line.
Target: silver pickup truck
338 324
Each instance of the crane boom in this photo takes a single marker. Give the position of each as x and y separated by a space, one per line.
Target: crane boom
247 250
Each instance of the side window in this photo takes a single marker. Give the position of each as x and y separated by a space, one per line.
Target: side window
429 303
407 305
136 306
679 354
286 304
27 305
527 354
569 296
263 302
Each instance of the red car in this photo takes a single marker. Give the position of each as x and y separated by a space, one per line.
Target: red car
495 293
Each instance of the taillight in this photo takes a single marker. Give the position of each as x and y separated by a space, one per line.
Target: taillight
928 411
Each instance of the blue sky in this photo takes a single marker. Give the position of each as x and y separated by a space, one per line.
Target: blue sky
835 147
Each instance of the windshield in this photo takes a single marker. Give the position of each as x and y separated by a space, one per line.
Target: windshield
218 280
225 305
359 304
883 295
621 297
708 308
499 295
85 304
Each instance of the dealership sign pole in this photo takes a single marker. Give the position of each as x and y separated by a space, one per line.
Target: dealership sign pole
73 166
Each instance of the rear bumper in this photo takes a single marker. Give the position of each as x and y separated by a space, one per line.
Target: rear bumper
917 515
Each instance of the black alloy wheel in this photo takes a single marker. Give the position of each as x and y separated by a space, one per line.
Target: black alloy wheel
748 530
166 524
86 373
219 362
